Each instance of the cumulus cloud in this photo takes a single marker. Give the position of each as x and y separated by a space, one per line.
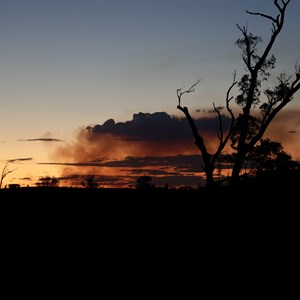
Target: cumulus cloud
158 126
156 134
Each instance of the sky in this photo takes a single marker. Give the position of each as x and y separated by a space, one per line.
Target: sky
70 69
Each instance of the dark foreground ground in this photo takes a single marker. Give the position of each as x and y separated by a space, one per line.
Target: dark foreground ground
255 214
152 237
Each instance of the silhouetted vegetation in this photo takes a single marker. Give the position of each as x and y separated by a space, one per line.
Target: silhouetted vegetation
268 157
266 186
90 182
144 183
5 172
48 181
249 126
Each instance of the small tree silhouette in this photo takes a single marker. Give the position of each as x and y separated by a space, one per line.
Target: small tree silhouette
90 182
268 157
144 183
48 181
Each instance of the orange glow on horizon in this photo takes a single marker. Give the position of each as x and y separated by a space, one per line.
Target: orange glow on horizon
113 158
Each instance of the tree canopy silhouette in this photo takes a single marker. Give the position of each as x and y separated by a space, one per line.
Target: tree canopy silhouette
144 183
253 113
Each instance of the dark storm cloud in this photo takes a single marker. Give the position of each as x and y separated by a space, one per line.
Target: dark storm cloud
156 126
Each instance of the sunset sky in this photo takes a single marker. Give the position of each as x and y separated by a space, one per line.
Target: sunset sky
113 66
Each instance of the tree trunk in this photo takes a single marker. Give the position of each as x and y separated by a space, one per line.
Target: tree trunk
236 169
209 176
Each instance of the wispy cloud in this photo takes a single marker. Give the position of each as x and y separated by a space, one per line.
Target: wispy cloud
19 159
180 162
40 140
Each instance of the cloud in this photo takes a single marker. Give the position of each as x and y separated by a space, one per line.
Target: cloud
19 159
156 144
158 126
156 134
40 140
147 143
145 135
180 163
126 171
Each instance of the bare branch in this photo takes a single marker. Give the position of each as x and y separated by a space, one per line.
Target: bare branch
220 133
297 73
276 20
285 3
228 99
263 15
190 90
6 171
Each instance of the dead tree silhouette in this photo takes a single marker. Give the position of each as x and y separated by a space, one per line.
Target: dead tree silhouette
209 160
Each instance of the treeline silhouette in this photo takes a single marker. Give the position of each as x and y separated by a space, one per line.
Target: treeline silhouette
265 186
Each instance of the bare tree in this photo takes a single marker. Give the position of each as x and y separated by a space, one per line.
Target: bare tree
256 115
209 160
5 171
